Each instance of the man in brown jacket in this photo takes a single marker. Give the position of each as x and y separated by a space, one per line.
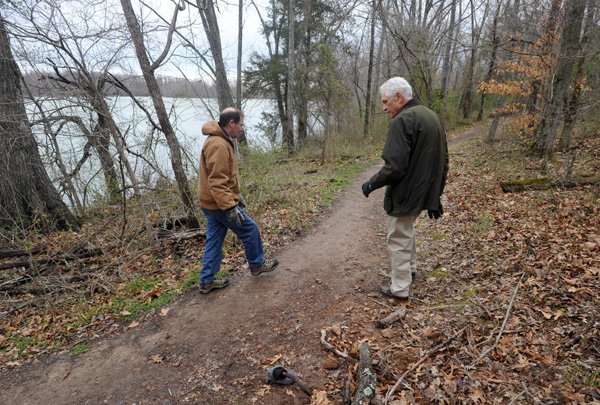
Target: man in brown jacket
221 202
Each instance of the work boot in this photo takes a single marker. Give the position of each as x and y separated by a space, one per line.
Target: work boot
267 266
213 285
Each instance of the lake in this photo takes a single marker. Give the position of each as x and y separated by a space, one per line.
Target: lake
187 117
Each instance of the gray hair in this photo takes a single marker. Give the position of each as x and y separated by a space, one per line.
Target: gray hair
396 85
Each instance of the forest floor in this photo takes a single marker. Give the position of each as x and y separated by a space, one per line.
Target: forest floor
504 308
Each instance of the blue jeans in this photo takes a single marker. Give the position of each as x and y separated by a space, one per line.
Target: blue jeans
216 229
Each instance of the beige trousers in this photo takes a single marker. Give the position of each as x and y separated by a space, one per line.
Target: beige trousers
403 253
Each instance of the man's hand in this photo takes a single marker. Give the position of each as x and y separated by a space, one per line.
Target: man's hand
367 188
235 216
435 214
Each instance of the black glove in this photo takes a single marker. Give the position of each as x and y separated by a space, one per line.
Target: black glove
367 188
436 213
235 216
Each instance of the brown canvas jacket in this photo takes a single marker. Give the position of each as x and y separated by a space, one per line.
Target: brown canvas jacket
219 187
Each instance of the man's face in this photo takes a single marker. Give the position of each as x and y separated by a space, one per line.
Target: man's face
392 105
235 129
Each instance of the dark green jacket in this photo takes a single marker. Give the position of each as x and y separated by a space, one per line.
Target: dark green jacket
416 162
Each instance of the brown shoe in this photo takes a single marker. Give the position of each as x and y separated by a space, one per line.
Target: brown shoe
213 285
386 290
267 266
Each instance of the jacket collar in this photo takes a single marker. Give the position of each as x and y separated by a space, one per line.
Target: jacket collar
409 104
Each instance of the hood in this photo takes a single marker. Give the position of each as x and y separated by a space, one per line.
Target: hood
212 128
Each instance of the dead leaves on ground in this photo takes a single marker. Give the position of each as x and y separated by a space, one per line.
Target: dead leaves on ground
471 262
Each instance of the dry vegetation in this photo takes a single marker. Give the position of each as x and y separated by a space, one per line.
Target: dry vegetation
505 305
52 298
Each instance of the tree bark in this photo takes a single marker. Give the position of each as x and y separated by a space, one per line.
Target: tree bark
495 44
291 72
238 85
447 66
573 105
569 49
366 377
369 101
161 111
211 28
27 196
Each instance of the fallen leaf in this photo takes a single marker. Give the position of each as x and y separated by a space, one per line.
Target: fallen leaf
157 358
477 395
133 324
320 398
164 311
274 359
216 387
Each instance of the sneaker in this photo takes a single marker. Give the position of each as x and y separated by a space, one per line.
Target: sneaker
213 285
267 266
386 290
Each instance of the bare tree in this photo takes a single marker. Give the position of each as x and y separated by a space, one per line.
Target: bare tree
27 196
446 65
369 102
238 85
148 70
574 102
289 135
563 77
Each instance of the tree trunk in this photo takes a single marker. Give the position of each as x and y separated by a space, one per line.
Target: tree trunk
369 101
211 28
27 196
161 110
289 135
575 98
446 69
537 147
238 85
302 72
569 49
494 53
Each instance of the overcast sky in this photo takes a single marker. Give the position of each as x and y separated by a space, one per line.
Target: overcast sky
227 15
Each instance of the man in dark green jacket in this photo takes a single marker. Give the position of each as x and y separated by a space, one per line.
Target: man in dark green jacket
415 168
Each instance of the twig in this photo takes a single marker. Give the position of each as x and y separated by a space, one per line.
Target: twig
380 303
331 347
578 337
421 361
508 310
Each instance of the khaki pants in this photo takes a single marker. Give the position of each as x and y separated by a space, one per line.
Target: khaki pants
403 253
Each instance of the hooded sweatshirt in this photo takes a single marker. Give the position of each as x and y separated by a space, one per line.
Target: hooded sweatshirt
219 175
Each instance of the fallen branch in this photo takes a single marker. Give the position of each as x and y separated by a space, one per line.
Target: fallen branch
395 316
367 380
516 186
63 258
508 310
421 361
331 347
179 236
17 253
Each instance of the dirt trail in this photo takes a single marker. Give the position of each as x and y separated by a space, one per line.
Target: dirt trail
215 348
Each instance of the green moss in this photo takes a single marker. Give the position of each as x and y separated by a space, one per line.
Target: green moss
439 273
79 349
